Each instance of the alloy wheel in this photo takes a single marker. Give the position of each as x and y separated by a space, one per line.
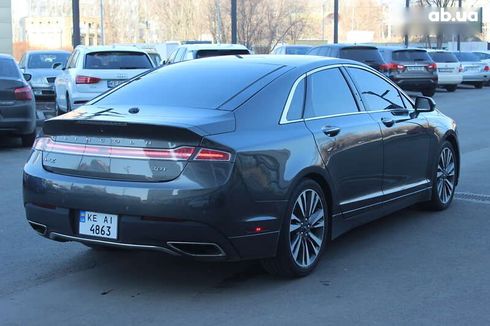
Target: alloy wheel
307 228
446 175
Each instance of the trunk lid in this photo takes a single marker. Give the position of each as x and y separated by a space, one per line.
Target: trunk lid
151 144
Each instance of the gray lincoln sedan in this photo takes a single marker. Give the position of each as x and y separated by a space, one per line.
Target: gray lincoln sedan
240 157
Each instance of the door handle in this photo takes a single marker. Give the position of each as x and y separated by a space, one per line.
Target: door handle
389 122
331 131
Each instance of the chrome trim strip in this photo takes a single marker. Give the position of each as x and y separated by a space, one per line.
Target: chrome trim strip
253 235
285 110
39 224
54 235
171 245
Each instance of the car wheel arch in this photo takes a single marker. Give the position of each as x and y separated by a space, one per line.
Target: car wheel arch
451 138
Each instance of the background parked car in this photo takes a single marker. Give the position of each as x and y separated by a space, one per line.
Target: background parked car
39 64
475 72
449 69
483 56
197 51
93 70
411 69
17 106
291 49
366 54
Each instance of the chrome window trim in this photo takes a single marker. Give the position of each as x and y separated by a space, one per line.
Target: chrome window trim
285 110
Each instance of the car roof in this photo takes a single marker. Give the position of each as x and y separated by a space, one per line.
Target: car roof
347 45
108 48
398 48
46 51
214 46
6 56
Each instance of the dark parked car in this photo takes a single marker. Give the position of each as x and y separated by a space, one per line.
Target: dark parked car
366 54
17 106
291 49
193 161
411 69
40 64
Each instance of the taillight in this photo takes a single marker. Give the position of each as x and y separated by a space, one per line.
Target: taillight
391 67
23 93
86 80
487 68
432 67
205 154
182 153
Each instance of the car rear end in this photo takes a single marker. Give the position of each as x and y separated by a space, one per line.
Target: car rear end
449 69
147 166
475 72
412 69
107 69
17 106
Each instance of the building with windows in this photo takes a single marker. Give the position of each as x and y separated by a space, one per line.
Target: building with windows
5 27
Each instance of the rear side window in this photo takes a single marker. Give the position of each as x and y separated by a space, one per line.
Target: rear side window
482 56
117 60
328 94
443 57
369 55
377 94
411 55
296 106
189 84
8 68
215 53
466 56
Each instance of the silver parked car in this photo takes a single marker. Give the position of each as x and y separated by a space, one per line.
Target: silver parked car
40 65
475 71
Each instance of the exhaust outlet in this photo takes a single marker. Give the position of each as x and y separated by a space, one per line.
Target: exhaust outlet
197 249
39 228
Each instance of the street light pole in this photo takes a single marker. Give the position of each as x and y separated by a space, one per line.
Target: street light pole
459 36
336 21
102 36
407 5
75 7
233 22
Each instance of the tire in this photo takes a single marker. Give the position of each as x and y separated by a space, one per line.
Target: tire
301 241
429 92
451 88
68 103
478 85
444 178
28 140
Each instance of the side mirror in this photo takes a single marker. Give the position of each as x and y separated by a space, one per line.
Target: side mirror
424 104
27 77
57 65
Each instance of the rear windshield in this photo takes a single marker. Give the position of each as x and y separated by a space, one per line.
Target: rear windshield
466 56
297 49
8 68
443 57
361 54
46 60
410 55
214 53
189 84
117 60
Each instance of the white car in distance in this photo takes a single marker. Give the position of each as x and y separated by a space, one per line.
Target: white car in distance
449 69
92 70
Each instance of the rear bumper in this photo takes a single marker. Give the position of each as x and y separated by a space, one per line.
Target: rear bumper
475 77
154 215
416 83
78 99
18 119
449 79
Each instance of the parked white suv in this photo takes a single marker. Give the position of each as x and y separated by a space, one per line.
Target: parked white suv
449 69
93 70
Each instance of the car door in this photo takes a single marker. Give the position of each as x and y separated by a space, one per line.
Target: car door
406 139
348 139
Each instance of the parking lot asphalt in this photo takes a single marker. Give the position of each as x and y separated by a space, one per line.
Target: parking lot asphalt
409 268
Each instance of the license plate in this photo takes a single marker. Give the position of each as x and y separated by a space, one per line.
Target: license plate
445 69
114 83
416 68
98 224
